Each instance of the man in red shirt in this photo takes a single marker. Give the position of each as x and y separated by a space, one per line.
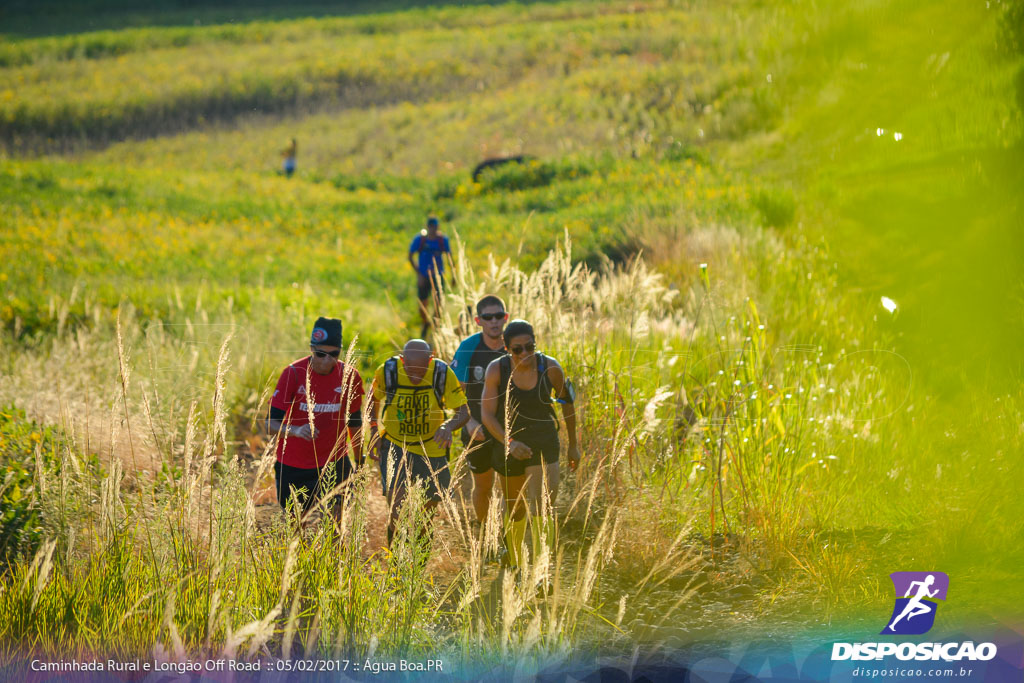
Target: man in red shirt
315 411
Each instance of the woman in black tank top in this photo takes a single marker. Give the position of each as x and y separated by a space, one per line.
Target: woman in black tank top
530 417
517 407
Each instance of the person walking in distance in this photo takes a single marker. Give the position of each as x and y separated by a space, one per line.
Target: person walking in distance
427 253
288 155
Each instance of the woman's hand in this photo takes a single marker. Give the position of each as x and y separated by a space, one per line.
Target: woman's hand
574 458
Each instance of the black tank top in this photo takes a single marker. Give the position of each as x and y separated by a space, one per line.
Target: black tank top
531 416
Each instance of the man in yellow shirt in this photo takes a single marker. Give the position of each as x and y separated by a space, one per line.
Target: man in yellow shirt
410 396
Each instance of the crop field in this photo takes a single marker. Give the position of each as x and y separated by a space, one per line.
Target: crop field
776 246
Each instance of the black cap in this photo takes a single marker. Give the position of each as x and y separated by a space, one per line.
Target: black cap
326 331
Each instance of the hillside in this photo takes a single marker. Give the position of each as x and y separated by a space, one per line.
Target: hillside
716 199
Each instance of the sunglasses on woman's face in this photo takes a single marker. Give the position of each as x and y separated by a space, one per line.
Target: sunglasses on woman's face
529 348
493 316
324 354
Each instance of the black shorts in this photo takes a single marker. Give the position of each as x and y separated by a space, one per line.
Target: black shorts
424 288
410 468
313 483
545 451
481 456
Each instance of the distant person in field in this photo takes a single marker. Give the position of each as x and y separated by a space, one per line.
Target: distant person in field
411 395
517 407
316 414
288 154
471 359
427 253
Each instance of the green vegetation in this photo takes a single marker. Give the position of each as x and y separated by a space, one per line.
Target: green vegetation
24 456
718 197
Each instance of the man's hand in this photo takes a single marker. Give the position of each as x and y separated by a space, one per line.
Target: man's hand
476 430
519 450
443 435
373 444
303 431
574 458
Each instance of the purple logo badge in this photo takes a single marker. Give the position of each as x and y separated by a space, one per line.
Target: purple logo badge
916 593
319 335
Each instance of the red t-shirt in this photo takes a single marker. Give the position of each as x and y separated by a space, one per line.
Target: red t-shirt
332 404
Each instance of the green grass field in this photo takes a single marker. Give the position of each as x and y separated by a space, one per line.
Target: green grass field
796 439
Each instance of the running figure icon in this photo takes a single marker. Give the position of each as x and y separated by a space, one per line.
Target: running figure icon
916 607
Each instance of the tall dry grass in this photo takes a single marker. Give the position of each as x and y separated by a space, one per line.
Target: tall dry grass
158 551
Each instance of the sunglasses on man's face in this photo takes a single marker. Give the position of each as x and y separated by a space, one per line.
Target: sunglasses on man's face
493 316
324 354
529 348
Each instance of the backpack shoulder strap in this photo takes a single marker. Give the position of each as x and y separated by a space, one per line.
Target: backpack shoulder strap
505 365
423 240
544 387
390 380
440 380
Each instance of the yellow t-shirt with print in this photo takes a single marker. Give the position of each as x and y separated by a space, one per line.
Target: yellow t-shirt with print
414 415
